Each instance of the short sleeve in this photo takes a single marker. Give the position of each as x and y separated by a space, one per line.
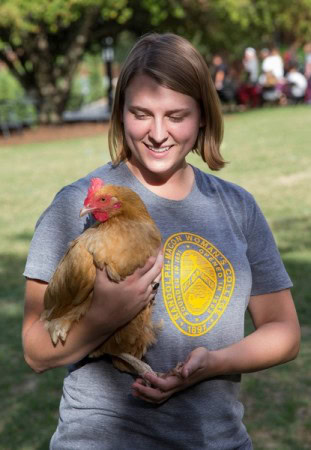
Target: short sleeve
268 271
58 225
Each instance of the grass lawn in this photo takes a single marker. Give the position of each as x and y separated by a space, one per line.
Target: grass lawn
269 154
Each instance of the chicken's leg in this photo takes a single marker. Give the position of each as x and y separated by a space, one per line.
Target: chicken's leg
139 366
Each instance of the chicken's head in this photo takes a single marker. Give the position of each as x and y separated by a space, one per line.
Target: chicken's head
100 201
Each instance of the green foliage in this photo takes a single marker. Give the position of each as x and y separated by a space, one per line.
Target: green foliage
265 21
14 106
26 15
124 43
116 10
10 89
88 83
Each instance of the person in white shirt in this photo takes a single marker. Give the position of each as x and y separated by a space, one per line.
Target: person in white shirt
274 63
296 84
272 76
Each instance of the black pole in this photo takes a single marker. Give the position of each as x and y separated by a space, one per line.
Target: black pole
110 87
107 56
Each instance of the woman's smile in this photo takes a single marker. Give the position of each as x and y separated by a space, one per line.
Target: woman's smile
158 150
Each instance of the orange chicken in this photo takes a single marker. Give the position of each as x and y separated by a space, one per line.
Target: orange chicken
121 240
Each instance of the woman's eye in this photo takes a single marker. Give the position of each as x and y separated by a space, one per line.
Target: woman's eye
176 118
141 116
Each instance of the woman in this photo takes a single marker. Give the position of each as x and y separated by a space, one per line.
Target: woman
219 258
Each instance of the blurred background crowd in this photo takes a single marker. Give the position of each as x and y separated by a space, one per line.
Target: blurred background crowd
264 77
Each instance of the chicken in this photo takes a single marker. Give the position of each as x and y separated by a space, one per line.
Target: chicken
121 240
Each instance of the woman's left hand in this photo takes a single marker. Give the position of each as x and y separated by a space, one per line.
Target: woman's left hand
276 340
194 369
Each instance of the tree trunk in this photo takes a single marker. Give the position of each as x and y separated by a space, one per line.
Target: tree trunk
45 64
51 107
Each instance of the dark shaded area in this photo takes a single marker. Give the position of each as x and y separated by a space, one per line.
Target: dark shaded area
11 279
300 275
293 242
26 236
29 402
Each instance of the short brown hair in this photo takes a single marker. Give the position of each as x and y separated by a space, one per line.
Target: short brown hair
173 63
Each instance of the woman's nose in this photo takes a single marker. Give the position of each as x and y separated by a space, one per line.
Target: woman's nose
158 132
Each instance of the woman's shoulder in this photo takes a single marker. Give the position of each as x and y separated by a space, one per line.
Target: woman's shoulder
212 184
108 173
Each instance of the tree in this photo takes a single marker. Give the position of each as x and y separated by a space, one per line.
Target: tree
263 22
43 41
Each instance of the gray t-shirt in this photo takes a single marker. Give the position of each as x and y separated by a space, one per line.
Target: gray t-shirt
218 250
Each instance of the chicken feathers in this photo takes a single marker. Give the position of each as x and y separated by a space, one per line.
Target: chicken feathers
122 240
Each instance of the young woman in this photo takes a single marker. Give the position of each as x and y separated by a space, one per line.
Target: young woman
219 258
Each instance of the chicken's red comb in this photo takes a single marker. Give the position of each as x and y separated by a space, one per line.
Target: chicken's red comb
95 184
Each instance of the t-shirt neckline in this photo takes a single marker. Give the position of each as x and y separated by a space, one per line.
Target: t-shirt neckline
134 181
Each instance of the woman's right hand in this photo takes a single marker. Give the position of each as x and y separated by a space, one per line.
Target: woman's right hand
115 304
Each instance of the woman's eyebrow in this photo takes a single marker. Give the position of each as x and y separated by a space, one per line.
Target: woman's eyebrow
171 111
139 108
180 110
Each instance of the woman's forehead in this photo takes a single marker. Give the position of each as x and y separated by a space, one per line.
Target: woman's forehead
144 90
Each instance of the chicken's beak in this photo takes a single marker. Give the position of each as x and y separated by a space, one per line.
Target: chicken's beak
85 211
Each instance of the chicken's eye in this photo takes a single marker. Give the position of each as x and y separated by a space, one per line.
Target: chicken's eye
103 199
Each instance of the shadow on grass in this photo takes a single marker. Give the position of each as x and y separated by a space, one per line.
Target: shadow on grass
300 275
276 400
294 233
26 236
29 402
11 277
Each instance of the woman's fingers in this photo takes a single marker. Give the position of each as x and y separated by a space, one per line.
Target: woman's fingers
134 292
146 276
154 273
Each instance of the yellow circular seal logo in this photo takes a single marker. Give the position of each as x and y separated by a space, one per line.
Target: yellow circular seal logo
197 283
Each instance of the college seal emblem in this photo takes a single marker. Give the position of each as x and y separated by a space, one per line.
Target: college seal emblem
197 283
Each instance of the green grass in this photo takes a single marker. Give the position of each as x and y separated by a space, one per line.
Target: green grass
269 154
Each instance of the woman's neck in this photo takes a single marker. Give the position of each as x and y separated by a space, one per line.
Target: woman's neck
176 186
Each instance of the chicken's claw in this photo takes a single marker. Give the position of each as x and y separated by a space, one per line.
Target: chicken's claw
176 371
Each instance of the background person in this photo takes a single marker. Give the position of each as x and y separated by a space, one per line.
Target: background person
223 80
307 70
272 76
295 84
249 92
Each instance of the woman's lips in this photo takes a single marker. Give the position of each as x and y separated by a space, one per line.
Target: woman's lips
162 149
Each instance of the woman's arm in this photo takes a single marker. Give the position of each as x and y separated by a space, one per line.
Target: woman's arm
110 309
276 340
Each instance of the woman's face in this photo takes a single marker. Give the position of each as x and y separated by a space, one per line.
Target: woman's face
160 125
